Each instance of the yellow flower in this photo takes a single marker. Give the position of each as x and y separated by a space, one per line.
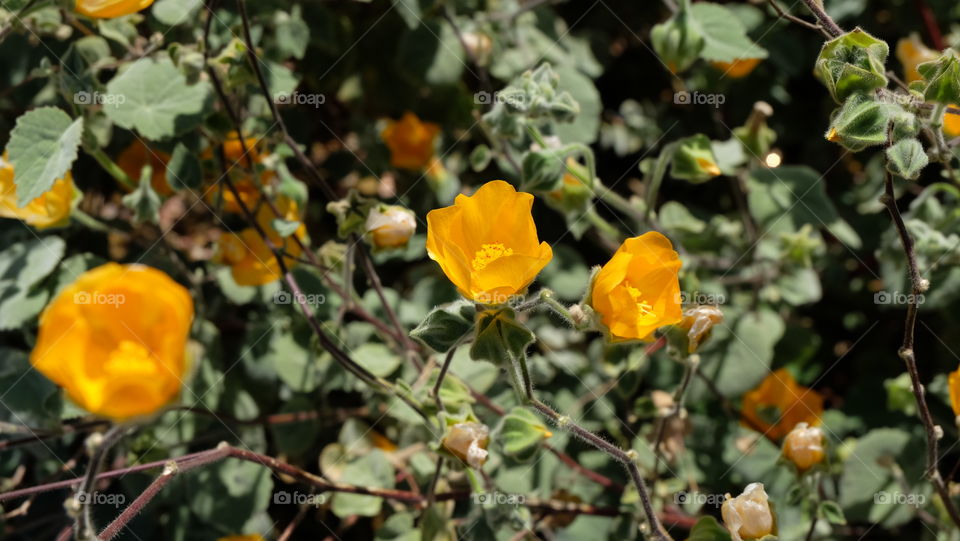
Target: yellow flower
468 442
237 165
390 226
741 67
487 243
249 537
108 9
136 156
804 446
953 382
748 516
250 259
911 52
410 142
638 291
50 209
115 340
951 122
778 404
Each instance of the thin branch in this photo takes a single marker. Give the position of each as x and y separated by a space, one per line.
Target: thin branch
794 19
169 472
826 21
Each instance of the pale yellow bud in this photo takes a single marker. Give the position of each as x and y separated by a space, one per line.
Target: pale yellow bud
468 442
804 446
748 516
391 227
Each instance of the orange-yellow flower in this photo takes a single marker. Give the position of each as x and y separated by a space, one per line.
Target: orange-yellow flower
115 340
50 209
741 67
251 261
951 122
238 162
911 52
638 291
136 156
953 382
778 404
410 141
108 9
804 446
487 243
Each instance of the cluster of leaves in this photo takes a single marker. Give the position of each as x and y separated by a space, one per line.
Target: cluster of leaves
578 106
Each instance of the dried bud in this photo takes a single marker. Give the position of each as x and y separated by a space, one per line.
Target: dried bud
468 442
390 226
804 446
699 322
748 516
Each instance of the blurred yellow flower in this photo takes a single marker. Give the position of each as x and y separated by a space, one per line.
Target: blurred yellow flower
951 122
390 226
911 52
487 243
778 404
638 291
48 210
115 340
250 259
741 67
804 446
136 156
748 516
410 142
238 163
108 9
953 383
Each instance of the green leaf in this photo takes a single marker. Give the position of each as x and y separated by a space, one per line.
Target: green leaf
283 227
906 158
942 77
542 170
694 160
724 37
372 470
157 102
708 529
183 169
500 337
445 326
860 123
377 358
431 52
292 33
144 202
27 263
832 512
42 148
521 434
175 12
480 157
748 357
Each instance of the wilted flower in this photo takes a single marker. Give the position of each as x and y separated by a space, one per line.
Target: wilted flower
778 404
699 322
741 67
487 243
251 261
911 52
108 9
804 446
748 516
50 209
391 226
115 340
638 291
137 155
410 141
468 442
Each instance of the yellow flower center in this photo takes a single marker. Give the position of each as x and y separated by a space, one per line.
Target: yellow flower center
488 253
647 315
130 358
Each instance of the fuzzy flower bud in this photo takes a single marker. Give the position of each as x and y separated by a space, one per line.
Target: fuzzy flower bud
468 442
390 226
748 516
804 446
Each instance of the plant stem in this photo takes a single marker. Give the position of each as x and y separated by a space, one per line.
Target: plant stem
170 470
84 527
113 169
825 20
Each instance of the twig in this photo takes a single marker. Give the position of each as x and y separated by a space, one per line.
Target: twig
918 285
18 16
84 524
170 470
794 19
827 22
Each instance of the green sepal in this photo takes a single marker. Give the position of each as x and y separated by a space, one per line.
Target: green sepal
853 63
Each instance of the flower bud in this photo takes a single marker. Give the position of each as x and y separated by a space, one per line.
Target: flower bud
677 41
390 226
694 160
748 516
699 322
853 64
804 446
468 442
